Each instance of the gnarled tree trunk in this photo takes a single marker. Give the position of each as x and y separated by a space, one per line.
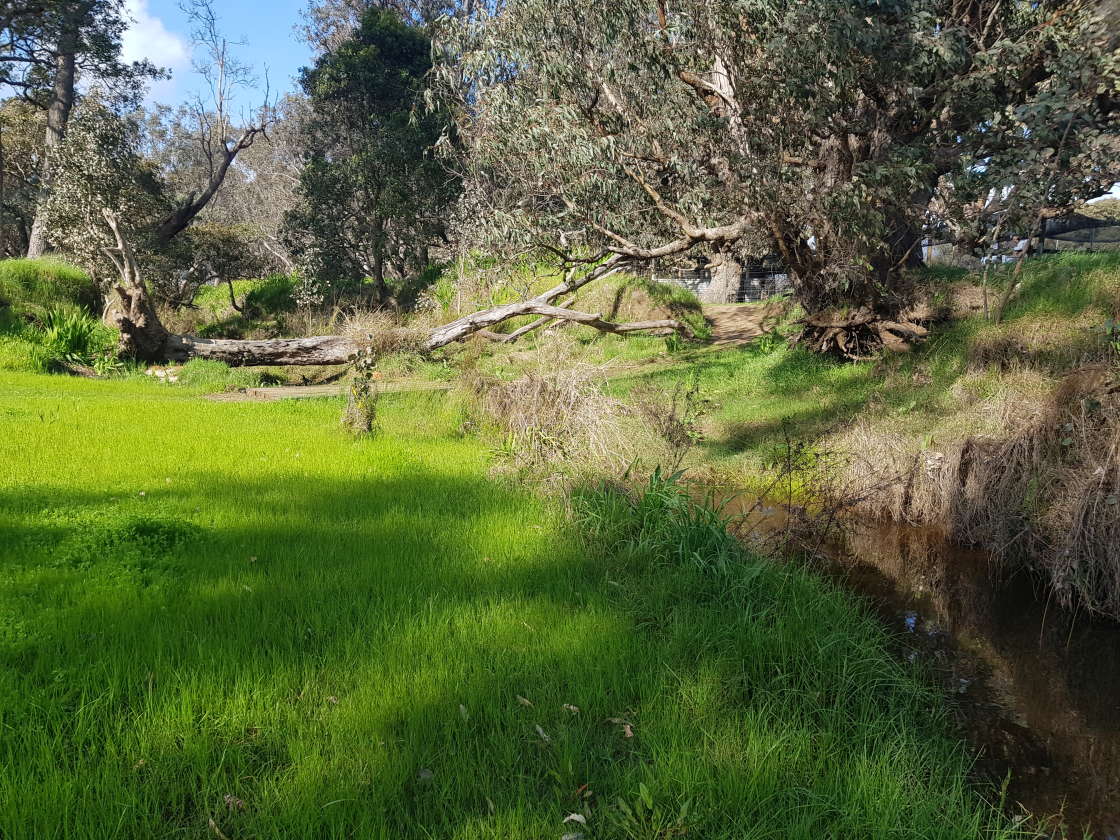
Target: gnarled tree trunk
726 277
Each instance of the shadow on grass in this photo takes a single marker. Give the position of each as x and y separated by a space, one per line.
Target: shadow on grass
348 658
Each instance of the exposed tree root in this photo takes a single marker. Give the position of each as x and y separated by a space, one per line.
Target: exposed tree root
858 335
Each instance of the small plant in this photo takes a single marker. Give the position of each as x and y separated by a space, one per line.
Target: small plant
675 416
75 337
360 414
1112 335
643 817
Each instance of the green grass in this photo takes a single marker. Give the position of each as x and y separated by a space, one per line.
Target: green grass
36 286
767 393
48 318
236 612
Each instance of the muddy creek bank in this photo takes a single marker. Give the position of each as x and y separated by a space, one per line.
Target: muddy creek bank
1036 689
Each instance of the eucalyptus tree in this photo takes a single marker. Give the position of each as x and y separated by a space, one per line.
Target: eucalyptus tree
21 151
820 130
106 207
329 23
45 46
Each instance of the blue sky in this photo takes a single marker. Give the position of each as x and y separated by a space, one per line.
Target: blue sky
161 33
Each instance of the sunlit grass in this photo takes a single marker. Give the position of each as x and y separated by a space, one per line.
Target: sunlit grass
235 613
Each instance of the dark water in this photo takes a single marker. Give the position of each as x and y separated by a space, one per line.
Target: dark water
1036 688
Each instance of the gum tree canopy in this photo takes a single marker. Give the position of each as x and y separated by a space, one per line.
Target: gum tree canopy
820 131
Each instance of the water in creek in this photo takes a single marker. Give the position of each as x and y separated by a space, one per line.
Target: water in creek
1036 688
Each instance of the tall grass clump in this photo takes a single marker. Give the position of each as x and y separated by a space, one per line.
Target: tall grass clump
660 521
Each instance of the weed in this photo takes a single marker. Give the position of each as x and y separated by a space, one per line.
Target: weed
675 416
360 414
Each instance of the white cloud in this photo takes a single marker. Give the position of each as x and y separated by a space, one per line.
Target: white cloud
148 37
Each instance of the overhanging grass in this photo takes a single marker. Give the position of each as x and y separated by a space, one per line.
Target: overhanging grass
233 612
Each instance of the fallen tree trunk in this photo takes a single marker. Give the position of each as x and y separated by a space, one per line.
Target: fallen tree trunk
318 350
144 336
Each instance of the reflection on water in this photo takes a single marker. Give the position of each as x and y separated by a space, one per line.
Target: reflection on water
1038 688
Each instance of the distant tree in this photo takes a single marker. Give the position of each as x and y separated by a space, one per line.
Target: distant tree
45 46
819 130
329 23
374 197
206 126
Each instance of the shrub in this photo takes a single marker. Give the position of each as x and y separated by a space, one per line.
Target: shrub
73 336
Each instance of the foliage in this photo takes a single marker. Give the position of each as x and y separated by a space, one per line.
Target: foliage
76 337
817 131
22 126
100 168
231 621
373 195
91 31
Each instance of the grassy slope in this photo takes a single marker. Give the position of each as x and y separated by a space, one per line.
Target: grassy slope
202 601
767 393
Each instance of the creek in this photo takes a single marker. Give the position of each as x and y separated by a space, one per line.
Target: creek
1034 687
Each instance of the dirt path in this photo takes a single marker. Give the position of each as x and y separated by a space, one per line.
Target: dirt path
335 389
739 323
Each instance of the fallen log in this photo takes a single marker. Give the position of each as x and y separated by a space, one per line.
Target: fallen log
144 336
317 350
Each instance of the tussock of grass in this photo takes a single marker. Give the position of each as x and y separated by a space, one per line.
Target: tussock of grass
232 617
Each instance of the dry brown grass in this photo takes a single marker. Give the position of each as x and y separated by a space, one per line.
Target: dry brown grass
1042 341
379 331
1043 488
557 419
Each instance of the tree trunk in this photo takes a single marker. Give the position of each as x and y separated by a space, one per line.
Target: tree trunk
3 221
144 337
726 277
319 350
853 312
58 116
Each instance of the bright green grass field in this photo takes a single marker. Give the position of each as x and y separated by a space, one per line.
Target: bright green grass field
233 612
